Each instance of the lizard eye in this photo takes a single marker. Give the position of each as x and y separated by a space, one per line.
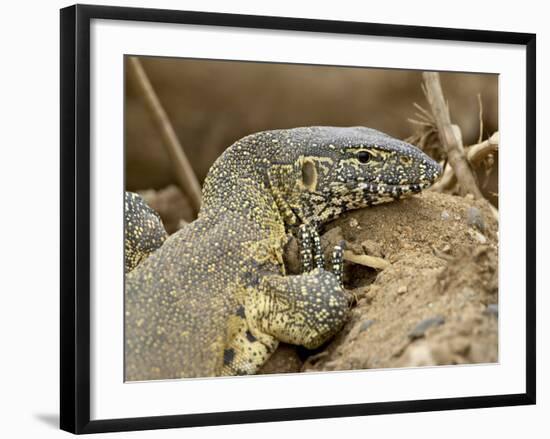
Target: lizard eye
364 156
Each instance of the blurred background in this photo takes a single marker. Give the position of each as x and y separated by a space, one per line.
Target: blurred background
211 104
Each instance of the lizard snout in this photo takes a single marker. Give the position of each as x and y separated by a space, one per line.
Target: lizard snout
434 171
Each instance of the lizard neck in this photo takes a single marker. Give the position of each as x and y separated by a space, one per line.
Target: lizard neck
254 172
281 184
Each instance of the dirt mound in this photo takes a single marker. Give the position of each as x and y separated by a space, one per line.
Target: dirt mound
435 303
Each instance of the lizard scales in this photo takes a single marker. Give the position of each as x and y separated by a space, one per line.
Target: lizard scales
215 299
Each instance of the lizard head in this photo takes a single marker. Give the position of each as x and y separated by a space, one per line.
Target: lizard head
339 169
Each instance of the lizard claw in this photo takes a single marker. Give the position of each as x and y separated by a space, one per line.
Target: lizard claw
306 254
311 252
312 255
318 256
337 262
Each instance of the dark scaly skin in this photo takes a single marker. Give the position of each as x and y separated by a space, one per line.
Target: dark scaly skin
143 230
215 298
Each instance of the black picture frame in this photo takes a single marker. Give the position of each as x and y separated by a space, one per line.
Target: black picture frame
75 217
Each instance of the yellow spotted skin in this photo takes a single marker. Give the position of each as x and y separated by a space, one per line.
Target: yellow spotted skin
215 298
143 230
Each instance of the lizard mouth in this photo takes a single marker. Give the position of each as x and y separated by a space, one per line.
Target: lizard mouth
392 190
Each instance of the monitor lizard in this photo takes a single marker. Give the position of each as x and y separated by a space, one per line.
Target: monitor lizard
215 297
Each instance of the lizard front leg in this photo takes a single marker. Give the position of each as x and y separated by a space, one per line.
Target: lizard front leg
305 309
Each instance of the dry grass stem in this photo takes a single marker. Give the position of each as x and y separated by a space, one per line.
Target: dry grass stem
480 103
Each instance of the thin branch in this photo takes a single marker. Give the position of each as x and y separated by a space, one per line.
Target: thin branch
477 153
448 135
480 138
185 176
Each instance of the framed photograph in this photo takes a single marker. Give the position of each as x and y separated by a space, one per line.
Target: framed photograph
276 218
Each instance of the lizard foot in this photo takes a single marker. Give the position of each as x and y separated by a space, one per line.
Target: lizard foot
305 309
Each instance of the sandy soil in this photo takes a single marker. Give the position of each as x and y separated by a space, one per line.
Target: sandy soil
437 301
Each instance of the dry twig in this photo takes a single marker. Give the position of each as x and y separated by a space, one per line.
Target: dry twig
185 176
475 155
449 134
366 260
